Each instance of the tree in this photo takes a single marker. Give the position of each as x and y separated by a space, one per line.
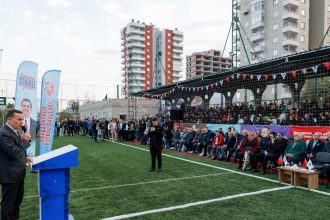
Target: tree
10 106
75 108
315 89
65 115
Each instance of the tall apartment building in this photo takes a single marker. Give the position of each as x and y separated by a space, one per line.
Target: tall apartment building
274 27
206 63
150 56
319 23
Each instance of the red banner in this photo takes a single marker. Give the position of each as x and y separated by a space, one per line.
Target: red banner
308 130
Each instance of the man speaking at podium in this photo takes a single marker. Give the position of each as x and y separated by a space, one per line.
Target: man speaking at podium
13 143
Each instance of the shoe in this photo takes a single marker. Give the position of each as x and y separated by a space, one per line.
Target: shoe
254 171
172 148
152 170
159 170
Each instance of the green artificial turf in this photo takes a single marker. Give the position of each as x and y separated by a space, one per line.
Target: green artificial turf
113 179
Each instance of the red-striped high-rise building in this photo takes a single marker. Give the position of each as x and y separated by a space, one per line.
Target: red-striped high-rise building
150 57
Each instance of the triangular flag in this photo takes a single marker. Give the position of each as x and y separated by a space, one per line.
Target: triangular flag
227 79
207 87
258 77
244 76
286 59
280 161
314 68
233 76
251 76
304 164
294 74
310 165
274 76
194 89
304 71
212 86
327 65
283 75
221 82
266 77
216 84
238 75
285 161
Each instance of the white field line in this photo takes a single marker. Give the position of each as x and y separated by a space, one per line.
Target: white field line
221 168
140 183
196 203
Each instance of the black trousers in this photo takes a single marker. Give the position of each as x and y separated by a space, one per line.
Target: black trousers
156 152
12 197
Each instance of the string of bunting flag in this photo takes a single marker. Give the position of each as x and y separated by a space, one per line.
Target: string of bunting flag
238 76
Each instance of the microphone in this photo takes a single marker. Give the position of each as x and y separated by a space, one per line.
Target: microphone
24 129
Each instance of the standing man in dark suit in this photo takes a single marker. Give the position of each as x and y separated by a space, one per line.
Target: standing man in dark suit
156 139
13 143
314 146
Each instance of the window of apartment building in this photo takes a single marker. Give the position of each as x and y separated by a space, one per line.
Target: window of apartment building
302 25
275 27
275 14
275 2
274 52
302 38
302 12
275 40
257 18
258 7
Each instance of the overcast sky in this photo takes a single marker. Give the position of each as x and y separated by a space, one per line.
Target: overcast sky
82 37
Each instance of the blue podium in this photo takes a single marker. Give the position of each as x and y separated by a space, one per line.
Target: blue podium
54 181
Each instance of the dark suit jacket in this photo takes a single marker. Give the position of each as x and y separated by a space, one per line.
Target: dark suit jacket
12 156
317 148
156 137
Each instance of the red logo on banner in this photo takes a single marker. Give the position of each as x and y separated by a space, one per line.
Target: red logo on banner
49 89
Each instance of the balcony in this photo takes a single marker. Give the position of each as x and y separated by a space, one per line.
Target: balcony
258 49
290 15
258 36
290 3
289 52
259 24
136 38
290 28
290 42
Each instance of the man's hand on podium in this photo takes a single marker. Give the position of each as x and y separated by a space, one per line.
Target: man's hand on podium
29 160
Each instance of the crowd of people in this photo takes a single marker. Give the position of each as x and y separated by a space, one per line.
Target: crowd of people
308 113
261 146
